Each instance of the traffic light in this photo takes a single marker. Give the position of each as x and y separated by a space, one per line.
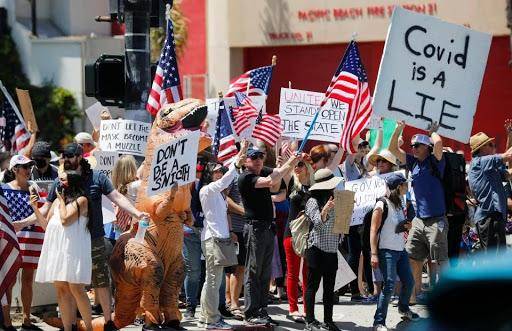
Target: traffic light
105 80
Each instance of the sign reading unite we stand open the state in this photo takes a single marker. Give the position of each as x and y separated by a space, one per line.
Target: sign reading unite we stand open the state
431 71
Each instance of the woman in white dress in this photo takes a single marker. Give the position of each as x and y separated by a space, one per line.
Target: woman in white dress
66 254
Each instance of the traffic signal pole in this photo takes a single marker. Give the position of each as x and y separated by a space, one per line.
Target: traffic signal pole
137 59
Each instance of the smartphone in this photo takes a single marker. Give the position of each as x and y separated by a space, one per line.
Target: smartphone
237 248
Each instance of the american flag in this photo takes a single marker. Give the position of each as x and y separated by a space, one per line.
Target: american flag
15 137
286 149
258 80
31 237
268 128
350 85
243 113
10 256
166 86
224 146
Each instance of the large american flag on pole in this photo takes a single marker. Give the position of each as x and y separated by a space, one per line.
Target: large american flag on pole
10 257
350 85
166 86
224 144
253 82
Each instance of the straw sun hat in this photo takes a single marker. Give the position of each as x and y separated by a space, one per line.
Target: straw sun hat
325 180
478 140
384 154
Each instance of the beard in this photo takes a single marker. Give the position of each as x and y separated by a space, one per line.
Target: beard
68 165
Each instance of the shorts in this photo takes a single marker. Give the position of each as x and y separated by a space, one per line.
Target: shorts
428 237
100 272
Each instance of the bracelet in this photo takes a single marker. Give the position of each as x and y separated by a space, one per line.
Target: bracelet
375 254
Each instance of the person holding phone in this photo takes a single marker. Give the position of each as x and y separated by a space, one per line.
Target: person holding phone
30 238
66 254
387 243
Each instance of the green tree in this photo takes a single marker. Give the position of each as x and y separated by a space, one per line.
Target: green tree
55 108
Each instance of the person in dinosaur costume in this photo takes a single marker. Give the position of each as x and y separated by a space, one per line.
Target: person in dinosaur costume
149 275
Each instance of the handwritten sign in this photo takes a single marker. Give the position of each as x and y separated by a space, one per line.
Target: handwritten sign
124 136
105 162
297 109
174 163
431 71
213 112
343 209
26 107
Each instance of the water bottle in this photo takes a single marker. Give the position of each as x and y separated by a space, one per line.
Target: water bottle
141 231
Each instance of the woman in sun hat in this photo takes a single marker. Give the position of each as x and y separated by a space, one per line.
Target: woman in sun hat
321 253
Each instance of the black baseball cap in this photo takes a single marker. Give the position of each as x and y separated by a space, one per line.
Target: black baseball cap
72 149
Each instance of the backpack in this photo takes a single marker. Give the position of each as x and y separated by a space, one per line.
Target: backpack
453 181
367 223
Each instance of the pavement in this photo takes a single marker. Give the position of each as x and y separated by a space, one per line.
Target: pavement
347 315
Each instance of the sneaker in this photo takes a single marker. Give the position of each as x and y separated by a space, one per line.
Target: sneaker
224 312
174 325
31 327
110 326
220 325
201 324
270 321
313 326
357 299
138 321
330 326
189 314
152 327
409 315
257 320
380 327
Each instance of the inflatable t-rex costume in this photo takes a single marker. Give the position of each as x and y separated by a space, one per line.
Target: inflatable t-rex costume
149 275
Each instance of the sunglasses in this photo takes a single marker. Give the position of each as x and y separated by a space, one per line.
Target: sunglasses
416 145
257 156
68 155
381 161
300 164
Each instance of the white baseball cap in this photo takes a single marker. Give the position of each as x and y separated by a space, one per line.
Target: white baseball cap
84 138
19 160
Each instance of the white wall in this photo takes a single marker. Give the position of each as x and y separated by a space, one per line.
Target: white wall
76 17
23 8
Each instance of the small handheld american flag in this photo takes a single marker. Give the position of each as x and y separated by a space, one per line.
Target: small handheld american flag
243 114
224 146
13 133
268 128
166 86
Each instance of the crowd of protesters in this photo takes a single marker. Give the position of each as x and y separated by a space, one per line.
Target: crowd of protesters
253 202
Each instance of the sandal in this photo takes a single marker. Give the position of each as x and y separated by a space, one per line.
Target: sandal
237 314
297 318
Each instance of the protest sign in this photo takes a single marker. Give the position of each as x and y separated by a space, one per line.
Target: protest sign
343 209
26 107
297 109
431 71
105 162
174 163
107 210
213 112
94 114
124 136
367 191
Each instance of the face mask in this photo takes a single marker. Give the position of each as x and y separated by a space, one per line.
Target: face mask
41 163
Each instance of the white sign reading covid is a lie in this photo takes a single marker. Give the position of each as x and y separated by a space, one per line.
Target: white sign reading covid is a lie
297 108
431 71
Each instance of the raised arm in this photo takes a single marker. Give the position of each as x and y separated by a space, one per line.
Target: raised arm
436 140
393 143
27 151
335 162
275 177
69 213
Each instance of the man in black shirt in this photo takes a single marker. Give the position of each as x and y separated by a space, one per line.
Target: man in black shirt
255 186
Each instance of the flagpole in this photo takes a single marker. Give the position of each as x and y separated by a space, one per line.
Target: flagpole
13 104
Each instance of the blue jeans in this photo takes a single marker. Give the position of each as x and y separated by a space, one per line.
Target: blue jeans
393 263
192 259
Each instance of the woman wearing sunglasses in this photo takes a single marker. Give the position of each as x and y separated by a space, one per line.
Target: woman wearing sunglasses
17 193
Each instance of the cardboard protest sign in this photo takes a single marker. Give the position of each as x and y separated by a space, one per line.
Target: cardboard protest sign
431 71
93 114
367 191
124 136
174 163
213 112
343 208
26 107
105 162
297 108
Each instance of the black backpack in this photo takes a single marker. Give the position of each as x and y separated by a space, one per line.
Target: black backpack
367 223
453 181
